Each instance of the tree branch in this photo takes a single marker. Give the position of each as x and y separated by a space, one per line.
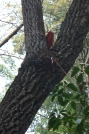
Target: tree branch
11 35
37 77
33 27
11 56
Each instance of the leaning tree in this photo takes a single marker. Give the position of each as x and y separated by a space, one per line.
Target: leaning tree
42 68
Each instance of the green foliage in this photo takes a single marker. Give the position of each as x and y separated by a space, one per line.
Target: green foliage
72 109
5 72
54 12
79 78
19 45
72 87
7 68
87 70
75 71
41 120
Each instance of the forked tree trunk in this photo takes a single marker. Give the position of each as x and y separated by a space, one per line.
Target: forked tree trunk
37 75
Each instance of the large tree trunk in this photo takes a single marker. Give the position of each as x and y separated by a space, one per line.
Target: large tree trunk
37 75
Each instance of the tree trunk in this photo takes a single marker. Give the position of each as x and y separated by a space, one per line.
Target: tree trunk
37 75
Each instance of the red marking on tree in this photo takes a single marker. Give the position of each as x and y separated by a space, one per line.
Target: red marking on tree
50 39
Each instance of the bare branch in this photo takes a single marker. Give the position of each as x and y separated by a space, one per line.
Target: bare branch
8 22
12 56
42 116
11 35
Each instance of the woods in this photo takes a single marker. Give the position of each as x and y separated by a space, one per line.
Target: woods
37 76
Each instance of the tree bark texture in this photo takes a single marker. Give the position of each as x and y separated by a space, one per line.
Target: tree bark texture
37 75
34 27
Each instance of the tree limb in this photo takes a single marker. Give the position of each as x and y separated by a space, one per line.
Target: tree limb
37 77
11 35
34 27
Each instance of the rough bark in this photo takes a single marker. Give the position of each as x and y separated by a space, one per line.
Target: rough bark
37 75
33 27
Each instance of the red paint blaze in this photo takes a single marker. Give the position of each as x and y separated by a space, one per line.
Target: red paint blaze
50 39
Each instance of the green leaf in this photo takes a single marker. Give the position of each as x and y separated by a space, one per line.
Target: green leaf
63 111
79 79
66 95
87 70
60 91
77 97
72 87
71 123
66 102
67 118
52 115
53 97
86 110
79 128
87 115
55 89
56 125
73 105
75 71
60 100
60 84
64 114
83 101
52 121
64 123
